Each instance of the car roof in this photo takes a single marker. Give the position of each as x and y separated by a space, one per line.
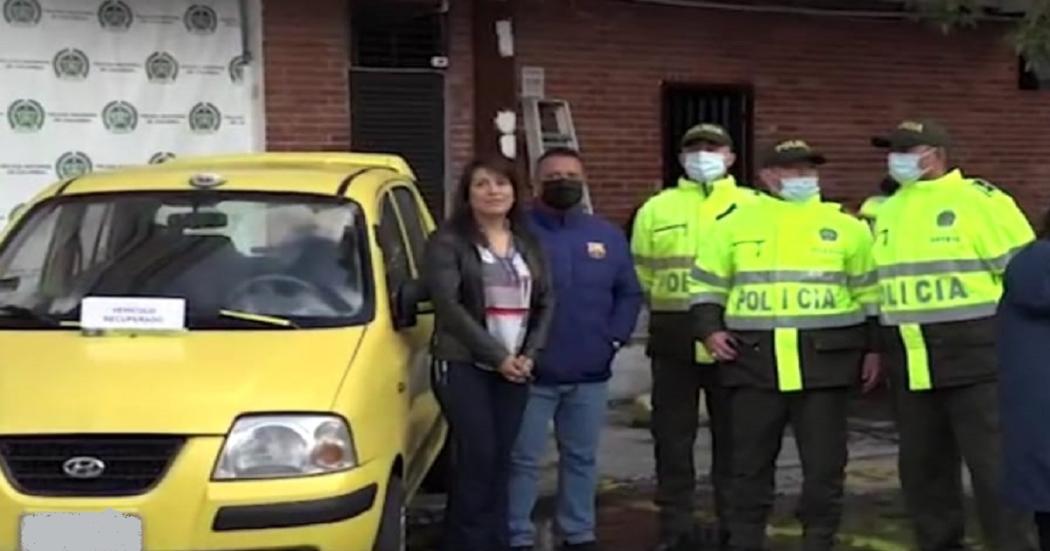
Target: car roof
313 173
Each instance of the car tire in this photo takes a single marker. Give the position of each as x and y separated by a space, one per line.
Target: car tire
393 524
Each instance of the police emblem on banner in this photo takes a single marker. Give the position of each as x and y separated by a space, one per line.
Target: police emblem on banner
828 234
120 117
115 15
22 13
946 219
237 65
162 68
71 64
26 116
205 118
72 164
200 19
161 157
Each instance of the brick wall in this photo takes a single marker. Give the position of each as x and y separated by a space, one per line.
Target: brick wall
834 82
307 91
460 87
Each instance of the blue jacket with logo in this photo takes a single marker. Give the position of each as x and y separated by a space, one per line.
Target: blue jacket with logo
598 295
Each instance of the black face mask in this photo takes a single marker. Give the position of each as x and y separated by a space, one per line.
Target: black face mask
562 193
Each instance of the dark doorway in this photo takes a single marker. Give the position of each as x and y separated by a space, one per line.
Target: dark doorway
685 105
397 88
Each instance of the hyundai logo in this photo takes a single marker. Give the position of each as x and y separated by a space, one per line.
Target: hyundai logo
84 468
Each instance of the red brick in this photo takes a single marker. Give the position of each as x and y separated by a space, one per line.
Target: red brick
834 81
307 89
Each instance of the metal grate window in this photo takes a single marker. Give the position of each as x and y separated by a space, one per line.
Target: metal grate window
396 35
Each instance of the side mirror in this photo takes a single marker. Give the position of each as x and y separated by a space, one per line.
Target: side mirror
407 299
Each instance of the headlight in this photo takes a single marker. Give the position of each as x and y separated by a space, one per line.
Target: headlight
285 447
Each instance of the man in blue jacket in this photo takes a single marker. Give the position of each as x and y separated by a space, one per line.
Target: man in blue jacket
599 298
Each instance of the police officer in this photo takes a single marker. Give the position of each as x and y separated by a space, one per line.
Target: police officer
869 209
942 242
785 298
666 233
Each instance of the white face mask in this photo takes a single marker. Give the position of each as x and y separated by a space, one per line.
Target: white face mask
704 166
905 167
799 189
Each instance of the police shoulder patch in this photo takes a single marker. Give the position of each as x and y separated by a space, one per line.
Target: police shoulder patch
984 186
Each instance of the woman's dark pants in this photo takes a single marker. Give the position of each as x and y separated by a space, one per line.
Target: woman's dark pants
484 412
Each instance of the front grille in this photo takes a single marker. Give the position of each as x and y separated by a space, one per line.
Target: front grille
133 464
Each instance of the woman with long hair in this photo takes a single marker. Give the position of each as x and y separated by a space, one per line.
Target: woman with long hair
489 285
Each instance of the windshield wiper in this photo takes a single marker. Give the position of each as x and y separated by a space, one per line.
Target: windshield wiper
14 311
261 319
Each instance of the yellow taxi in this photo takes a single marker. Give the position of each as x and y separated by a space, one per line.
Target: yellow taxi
223 353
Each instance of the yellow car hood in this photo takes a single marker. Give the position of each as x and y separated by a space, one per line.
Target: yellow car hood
194 383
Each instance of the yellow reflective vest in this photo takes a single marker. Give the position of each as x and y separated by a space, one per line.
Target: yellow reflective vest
780 267
941 248
668 230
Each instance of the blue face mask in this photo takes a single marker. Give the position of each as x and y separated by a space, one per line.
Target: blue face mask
905 168
704 166
800 189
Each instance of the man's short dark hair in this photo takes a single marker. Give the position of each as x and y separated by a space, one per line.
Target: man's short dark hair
559 152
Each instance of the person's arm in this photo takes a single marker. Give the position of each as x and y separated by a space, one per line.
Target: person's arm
641 249
863 284
862 280
627 295
443 279
710 281
1001 229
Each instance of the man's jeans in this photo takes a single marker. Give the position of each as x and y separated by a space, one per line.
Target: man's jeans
578 412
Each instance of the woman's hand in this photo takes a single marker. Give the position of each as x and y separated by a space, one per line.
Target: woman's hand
512 371
525 365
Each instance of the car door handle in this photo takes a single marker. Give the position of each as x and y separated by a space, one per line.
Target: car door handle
401 388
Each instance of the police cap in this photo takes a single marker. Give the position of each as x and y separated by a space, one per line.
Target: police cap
707 132
788 152
912 133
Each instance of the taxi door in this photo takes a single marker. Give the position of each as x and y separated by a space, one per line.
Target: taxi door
402 209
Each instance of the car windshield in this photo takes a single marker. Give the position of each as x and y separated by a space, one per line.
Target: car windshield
238 259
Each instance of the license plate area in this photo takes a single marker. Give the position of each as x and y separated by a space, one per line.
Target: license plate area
81 531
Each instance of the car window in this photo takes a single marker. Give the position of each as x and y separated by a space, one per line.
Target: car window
392 242
283 255
412 218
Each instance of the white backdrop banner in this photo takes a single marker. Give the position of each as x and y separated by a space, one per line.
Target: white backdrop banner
95 85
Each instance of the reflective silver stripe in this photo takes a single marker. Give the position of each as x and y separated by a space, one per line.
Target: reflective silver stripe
669 305
761 323
871 310
863 280
709 298
933 267
709 278
1001 262
941 315
665 263
790 276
